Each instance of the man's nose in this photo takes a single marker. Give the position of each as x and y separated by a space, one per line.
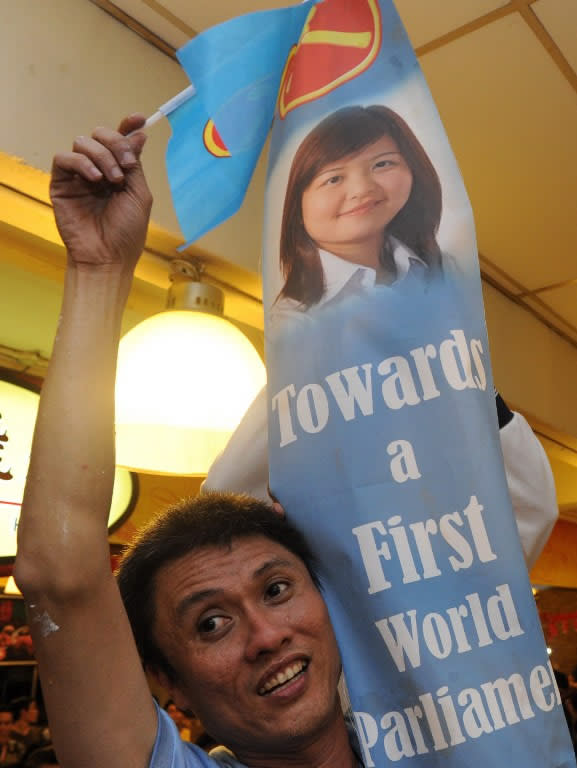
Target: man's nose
267 632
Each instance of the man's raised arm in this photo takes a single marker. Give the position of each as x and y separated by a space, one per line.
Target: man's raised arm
99 707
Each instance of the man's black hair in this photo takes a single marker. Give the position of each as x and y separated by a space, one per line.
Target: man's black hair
208 520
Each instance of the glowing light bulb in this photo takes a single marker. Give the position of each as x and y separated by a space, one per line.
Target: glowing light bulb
184 381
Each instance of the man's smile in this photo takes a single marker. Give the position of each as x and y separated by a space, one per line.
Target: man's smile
278 678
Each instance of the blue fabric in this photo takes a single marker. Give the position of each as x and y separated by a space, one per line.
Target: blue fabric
236 69
384 448
170 751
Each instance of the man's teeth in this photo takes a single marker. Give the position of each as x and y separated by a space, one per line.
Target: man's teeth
283 677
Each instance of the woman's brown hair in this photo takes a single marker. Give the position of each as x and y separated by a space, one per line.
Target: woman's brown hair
344 133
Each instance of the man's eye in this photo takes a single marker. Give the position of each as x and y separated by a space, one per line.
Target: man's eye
276 589
211 624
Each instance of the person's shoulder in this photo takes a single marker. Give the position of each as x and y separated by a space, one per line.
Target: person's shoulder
242 467
170 751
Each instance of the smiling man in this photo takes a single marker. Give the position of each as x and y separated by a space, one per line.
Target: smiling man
220 592
223 599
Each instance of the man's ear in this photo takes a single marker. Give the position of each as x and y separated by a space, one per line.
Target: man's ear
169 685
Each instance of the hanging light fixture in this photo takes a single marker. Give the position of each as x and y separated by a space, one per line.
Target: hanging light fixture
185 378
18 410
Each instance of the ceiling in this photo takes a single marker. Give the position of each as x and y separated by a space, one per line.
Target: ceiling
504 76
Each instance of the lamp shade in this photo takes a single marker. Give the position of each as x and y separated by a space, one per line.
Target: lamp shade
184 381
18 409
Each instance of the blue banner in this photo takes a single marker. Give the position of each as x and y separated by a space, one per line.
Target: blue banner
382 427
218 135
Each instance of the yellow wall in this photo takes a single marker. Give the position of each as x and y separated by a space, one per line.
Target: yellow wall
557 565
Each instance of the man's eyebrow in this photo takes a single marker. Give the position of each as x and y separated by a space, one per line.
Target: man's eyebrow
196 597
204 594
274 562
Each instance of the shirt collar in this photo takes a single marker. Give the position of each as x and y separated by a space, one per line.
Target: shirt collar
403 257
338 272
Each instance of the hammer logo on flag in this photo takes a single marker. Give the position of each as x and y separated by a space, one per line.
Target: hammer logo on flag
340 41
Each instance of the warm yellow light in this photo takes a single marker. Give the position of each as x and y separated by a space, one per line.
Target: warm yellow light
184 381
10 587
18 409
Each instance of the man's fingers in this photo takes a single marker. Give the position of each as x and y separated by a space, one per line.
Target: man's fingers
106 154
67 164
100 156
278 509
110 151
131 123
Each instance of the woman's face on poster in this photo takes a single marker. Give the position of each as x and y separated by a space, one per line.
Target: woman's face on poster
354 199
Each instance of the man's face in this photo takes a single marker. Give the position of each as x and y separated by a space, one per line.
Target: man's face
5 726
249 637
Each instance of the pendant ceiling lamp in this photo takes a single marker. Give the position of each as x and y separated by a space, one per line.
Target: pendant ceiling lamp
18 411
185 378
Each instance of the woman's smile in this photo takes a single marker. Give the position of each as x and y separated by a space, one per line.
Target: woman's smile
359 210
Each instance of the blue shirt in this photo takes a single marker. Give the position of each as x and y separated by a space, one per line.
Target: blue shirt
170 751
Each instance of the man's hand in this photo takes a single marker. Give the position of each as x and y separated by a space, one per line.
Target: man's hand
101 198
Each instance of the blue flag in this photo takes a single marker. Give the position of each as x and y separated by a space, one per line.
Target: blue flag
218 135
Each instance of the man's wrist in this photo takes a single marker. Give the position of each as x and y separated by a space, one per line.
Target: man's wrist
104 287
103 269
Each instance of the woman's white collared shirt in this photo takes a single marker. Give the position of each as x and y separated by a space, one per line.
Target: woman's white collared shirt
343 279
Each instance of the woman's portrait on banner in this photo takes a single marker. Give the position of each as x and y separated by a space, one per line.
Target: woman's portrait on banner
362 207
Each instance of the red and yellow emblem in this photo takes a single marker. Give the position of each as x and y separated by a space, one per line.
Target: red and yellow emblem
213 142
340 41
